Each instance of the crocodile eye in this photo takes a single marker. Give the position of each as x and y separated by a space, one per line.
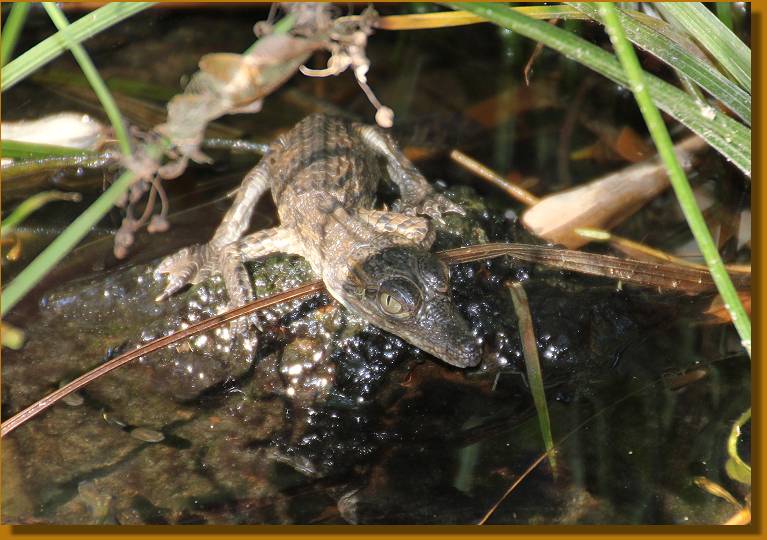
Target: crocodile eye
390 305
398 298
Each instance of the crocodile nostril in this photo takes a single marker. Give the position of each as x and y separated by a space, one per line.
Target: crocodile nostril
471 354
462 354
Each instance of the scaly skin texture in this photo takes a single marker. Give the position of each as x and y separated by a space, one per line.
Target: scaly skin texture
323 175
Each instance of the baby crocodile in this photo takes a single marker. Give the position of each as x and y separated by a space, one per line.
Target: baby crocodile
323 175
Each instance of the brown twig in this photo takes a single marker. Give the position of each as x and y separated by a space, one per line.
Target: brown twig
536 53
660 275
641 273
419 21
39 406
475 167
513 486
561 441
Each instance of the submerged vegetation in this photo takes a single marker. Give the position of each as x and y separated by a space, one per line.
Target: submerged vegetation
691 63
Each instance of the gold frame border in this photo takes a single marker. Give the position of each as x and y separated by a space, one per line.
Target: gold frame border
520 532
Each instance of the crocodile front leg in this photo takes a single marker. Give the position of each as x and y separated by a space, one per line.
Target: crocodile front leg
236 278
228 260
417 229
416 194
197 263
268 241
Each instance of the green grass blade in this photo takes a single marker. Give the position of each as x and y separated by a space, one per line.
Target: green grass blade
63 244
676 174
736 468
728 136
533 367
23 167
87 26
724 12
116 84
27 150
691 88
34 203
283 26
95 80
718 40
701 72
12 29
69 237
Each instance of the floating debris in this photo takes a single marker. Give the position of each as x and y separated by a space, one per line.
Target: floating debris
604 202
110 418
75 399
147 435
70 129
347 506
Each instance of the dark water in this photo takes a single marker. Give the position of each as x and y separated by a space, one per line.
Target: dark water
327 419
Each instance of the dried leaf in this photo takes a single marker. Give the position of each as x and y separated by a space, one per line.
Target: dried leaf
631 147
604 202
720 314
741 517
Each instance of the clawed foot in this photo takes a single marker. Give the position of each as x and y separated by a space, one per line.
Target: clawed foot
197 263
186 266
433 205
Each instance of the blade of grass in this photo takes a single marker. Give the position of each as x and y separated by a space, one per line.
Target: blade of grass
724 12
704 27
728 136
692 89
421 21
39 165
736 468
68 239
33 203
133 88
12 29
533 367
562 440
63 244
674 55
87 26
95 80
676 174
25 150
282 26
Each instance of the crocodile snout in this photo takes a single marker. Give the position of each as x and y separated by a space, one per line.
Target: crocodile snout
443 332
466 354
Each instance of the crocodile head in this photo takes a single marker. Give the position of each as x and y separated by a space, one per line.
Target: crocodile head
405 290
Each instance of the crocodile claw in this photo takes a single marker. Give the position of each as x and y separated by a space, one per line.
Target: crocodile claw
433 206
183 267
195 264
437 204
